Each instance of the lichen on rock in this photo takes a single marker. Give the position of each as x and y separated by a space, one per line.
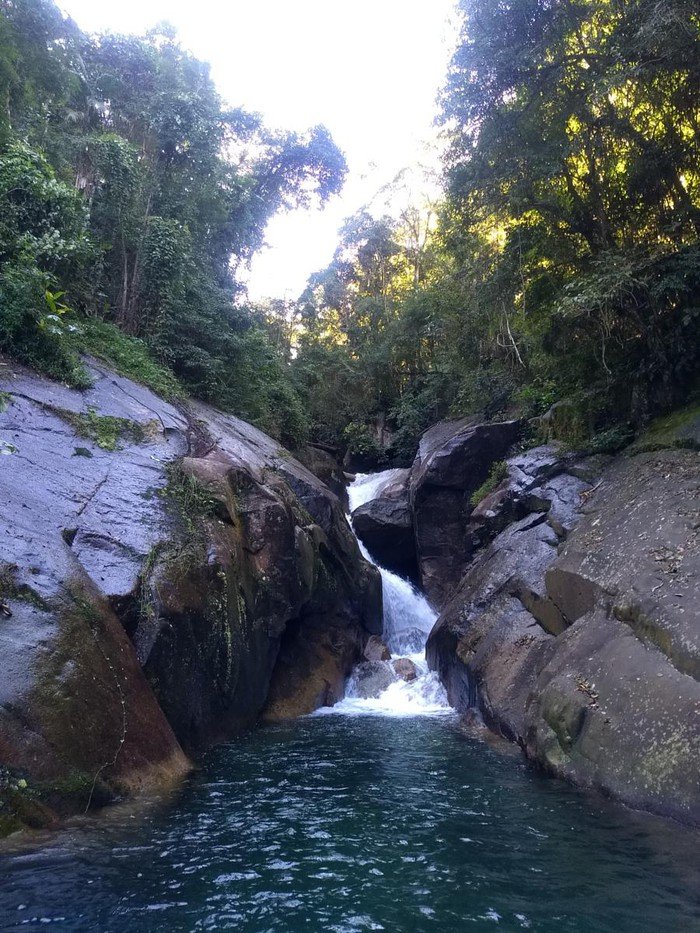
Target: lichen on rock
575 626
154 587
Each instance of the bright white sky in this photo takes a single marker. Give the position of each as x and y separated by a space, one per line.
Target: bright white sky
369 70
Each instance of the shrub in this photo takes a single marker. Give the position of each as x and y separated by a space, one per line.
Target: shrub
497 473
128 355
360 441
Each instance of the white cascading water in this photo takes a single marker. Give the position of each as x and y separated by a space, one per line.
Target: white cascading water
407 622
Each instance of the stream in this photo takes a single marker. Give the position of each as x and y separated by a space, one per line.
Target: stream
377 814
408 620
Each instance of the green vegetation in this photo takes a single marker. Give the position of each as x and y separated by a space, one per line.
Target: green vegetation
498 472
76 788
11 589
193 500
130 195
105 430
128 355
19 804
183 557
680 429
359 440
610 441
562 261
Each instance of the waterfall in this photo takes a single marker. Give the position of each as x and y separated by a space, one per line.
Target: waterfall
408 619
367 486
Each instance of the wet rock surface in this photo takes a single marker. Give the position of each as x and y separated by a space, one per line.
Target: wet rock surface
327 466
576 628
371 678
385 527
376 650
405 668
75 705
453 460
167 574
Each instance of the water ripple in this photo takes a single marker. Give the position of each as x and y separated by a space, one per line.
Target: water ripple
362 823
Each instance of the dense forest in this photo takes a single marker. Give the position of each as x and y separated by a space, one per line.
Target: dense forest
561 262
130 196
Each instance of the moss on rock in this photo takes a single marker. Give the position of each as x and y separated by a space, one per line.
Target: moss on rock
680 429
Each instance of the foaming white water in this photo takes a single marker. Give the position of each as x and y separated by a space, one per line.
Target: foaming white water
424 696
408 619
367 486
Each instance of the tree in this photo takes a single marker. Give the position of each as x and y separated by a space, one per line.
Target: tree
173 187
565 259
44 242
574 136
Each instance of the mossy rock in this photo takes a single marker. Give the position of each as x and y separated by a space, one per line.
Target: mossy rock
679 429
10 588
21 806
573 420
106 431
498 472
76 791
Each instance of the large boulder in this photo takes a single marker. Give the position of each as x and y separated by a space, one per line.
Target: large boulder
454 459
482 643
80 516
576 630
534 480
371 678
291 597
168 575
376 650
385 527
608 711
637 554
405 668
286 609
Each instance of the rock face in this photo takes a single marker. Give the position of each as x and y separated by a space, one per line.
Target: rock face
453 460
575 627
326 466
405 668
167 575
385 527
376 650
371 678
75 706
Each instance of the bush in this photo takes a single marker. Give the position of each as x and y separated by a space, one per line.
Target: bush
43 242
28 330
498 472
361 442
128 355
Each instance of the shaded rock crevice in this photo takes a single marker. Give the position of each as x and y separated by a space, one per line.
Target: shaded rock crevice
453 461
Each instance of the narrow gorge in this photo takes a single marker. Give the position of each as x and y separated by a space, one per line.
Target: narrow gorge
172 576
350 466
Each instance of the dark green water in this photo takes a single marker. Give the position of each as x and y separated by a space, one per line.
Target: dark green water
347 824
